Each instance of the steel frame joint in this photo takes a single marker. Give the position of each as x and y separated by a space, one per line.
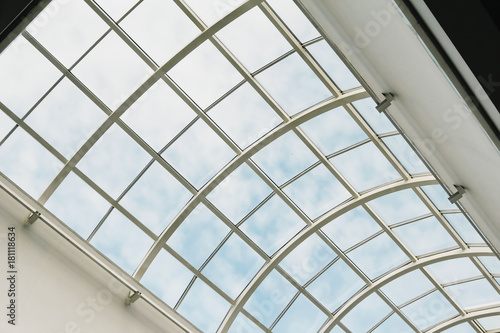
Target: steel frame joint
382 106
457 195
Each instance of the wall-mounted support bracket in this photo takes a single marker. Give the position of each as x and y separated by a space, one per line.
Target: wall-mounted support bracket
457 195
134 296
32 218
382 106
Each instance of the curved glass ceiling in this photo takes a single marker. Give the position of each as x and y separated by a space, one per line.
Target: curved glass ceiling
223 155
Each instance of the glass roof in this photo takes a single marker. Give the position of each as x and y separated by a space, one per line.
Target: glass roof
236 170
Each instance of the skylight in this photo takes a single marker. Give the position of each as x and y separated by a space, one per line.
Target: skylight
249 192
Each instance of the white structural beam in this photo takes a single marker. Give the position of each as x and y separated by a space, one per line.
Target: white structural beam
349 97
389 50
420 263
308 231
472 315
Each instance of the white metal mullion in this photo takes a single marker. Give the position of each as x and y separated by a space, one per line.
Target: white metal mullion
469 317
443 292
315 150
297 46
115 204
71 166
390 232
486 274
476 326
67 234
300 289
304 234
255 321
197 273
395 310
377 141
277 190
146 85
342 326
437 214
240 159
419 264
349 148
33 133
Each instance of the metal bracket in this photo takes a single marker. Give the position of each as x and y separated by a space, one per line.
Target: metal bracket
133 297
32 218
382 106
457 195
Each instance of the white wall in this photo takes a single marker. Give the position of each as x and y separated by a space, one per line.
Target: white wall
59 289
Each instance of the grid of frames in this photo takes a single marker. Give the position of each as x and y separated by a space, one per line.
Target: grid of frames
223 155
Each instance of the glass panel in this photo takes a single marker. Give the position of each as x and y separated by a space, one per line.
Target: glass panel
66 118
407 287
365 167
293 84
270 298
114 161
399 206
490 323
233 266
156 198
205 75
240 192
316 192
307 259
204 307
453 270
110 80
333 66
405 154
429 310
68 33
462 328
160 28
473 294
284 158
378 256
77 205
377 121
244 116
351 228
425 236
198 154
294 19
372 310
158 115
122 241
6 125
20 88
116 9
464 228
244 325
492 264
272 225
336 285
254 40
302 316
212 11
27 163
333 131
337 329
167 278
198 236
393 324
438 196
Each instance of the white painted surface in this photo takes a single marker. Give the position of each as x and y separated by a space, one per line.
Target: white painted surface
388 54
